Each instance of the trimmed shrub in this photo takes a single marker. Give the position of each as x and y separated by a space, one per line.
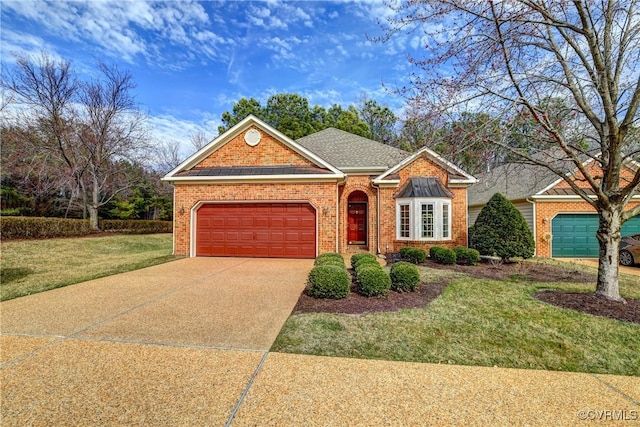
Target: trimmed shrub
405 277
404 252
16 227
329 281
135 226
329 258
22 227
373 281
367 261
501 230
413 255
466 256
357 257
442 255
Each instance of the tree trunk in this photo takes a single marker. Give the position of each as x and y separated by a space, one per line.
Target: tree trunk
93 206
609 239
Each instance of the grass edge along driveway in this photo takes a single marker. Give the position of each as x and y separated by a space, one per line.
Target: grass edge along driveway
32 266
477 322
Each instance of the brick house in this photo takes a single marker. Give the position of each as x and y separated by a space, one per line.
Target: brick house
255 192
562 223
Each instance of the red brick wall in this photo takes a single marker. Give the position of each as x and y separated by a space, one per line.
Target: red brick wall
321 195
269 152
358 183
422 167
547 210
594 170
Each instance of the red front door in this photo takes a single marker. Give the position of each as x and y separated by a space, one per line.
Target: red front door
357 227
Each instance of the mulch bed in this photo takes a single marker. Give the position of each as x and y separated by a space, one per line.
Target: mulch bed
355 303
592 304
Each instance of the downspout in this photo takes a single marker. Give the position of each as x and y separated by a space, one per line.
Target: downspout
173 226
338 183
337 217
535 226
377 218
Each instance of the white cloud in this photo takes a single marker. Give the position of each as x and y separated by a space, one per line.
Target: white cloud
126 30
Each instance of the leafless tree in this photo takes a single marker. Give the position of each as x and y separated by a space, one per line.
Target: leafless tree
91 125
506 57
199 140
167 156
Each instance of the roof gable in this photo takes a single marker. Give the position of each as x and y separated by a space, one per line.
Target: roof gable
349 152
250 143
456 175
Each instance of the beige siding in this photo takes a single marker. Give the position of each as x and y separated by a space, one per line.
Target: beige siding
525 208
474 211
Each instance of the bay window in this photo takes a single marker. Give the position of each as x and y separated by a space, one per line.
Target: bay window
423 219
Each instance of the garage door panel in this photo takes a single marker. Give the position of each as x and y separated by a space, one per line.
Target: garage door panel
574 235
256 230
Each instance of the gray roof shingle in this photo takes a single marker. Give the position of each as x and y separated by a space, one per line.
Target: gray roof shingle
345 150
515 181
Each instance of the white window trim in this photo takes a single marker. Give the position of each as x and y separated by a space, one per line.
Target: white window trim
415 218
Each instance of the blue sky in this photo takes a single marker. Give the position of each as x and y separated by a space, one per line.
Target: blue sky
193 60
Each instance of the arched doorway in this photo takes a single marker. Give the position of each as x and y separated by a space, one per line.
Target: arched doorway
357 218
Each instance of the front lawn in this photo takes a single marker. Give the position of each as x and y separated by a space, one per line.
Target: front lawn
32 266
478 321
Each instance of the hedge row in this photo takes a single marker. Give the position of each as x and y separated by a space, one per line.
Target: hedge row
16 227
138 226
329 278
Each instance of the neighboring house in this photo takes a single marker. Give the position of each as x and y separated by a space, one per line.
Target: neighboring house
255 192
563 224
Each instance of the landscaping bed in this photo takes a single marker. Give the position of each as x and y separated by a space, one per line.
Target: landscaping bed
522 315
583 302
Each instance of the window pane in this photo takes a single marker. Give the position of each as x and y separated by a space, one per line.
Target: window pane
404 221
426 225
445 221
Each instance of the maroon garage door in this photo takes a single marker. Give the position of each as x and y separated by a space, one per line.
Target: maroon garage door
269 230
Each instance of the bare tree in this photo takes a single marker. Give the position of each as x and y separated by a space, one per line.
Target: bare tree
91 126
199 140
167 156
506 58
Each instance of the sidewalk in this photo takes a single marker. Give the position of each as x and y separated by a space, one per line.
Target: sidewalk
67 381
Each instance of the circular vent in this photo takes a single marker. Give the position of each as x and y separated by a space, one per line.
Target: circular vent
252 137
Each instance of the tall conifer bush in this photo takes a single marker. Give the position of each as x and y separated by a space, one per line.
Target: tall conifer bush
501 230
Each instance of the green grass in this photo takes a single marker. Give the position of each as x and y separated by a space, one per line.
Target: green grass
478 322
32 266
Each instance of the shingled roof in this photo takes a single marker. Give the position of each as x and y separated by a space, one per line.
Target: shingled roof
345 150
515 181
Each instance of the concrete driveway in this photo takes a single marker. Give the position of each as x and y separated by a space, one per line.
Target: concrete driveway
174 344
215 302
186 344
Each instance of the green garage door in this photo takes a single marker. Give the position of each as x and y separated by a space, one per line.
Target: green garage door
574 235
